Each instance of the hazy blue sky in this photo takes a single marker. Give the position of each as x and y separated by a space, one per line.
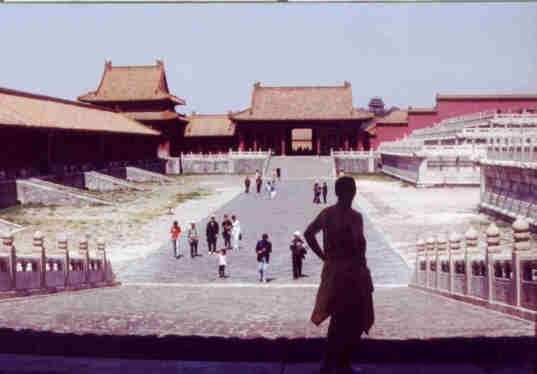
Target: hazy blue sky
405 53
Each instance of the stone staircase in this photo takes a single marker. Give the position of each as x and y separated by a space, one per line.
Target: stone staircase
302 167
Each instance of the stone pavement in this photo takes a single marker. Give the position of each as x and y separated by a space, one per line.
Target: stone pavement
291 210
60 365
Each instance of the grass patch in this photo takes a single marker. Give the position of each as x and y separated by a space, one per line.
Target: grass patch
197 194
405 185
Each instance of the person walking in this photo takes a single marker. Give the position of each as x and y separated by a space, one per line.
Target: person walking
324 189
235 232
193 239
298 252
316 193
263 250
226 231
222 262
212 234
175 231
345 292
258 183
247 184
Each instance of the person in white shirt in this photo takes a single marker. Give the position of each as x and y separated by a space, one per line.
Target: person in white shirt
235 232
222 263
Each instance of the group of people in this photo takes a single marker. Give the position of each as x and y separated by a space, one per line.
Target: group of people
319 189
345 291
270 183
231 233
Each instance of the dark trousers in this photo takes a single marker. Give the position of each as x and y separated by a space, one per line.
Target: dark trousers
227 240
258 186
324 197
343 339
212 244
221 271
297 266
247 187
194 248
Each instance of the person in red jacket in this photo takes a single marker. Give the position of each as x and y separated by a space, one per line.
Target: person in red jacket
175 231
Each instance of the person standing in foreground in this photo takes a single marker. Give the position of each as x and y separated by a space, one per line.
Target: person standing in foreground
345 292
175 231
212 234
236 232
193 239
324 189
263 249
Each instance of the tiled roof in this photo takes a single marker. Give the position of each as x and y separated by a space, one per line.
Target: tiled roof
301 103
209 125
513 96
394 117
421 110
28 110
132 83
164 115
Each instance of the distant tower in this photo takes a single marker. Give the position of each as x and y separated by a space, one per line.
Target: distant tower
376 106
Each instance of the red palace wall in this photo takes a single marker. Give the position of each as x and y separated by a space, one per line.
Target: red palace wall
387 133
453 108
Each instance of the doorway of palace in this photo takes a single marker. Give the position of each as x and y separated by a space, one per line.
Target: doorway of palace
302 142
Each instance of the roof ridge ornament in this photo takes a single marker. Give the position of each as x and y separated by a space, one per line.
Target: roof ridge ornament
107 64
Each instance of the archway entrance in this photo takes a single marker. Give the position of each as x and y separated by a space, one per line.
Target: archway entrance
302 141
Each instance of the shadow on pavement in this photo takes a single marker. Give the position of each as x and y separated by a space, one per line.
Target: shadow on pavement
480 351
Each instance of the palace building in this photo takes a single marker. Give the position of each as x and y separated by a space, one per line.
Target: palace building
142 93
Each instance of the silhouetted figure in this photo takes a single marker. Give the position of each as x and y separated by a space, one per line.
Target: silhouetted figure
247 184
258 183
226 231
345 292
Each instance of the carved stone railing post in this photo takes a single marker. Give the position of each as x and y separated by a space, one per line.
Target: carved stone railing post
61 244
492 248
83 250
454 250
38 242
430 255
420 251
521 236
102 251
441 248
471 247
8 244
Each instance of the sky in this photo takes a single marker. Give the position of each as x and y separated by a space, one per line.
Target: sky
213 53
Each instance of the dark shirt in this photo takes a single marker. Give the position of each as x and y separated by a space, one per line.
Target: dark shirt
212 229
325 189
265 255
247 182
226 226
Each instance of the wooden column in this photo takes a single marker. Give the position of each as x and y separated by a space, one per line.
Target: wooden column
346 142
284 133
49 149
255 141
241 141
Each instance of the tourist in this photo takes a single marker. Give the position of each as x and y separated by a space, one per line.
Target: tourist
247 184
278 173
258 183
236 232
222 263
257 174
298 252
345 292
175 231
226 231
193 239
263 250
325 191
316 193
269 188
272 190
212 235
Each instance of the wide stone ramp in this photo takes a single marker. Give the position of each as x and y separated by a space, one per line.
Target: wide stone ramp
291 210
302 167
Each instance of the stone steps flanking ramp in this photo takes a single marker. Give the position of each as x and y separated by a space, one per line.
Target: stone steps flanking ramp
39 191
303 167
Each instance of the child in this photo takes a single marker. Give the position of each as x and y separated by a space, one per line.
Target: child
222 263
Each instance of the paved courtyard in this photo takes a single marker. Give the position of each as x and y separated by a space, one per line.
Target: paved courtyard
161 295
291 210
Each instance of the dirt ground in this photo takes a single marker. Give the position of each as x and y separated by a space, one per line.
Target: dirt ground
137 217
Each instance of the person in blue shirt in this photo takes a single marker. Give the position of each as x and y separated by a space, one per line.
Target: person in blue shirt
263 250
